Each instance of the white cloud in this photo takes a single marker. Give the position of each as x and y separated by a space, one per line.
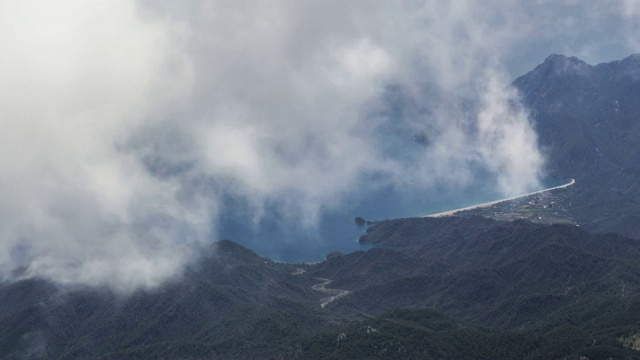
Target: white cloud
631 11
507 141
124 123
79 78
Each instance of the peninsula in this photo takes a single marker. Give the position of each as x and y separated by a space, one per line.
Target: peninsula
487 204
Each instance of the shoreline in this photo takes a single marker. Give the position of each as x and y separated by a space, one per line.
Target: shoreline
487 204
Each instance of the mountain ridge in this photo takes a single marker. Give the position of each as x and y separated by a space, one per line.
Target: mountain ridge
587 123
263 309
451 287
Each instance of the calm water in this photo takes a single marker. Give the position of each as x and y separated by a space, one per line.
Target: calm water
278 239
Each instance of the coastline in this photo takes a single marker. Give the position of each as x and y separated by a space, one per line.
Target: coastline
487 204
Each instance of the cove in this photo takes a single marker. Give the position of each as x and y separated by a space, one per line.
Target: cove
278 238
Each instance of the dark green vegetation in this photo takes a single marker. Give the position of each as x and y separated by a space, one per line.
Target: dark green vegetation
447 288
516 275
437 288
231 305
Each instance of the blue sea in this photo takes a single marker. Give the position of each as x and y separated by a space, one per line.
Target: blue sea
281 239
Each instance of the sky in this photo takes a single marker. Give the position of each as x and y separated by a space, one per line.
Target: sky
126 123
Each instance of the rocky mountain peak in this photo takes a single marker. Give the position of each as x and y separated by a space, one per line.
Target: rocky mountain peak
558 69
559 65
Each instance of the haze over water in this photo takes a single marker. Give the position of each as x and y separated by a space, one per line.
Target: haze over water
276 238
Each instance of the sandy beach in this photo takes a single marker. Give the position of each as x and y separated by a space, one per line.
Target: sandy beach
487 204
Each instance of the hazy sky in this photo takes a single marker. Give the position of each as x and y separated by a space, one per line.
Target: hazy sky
125 122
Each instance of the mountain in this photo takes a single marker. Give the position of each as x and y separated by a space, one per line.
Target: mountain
482 275
230 304
436 288
587 122
516 280
586 115
459 287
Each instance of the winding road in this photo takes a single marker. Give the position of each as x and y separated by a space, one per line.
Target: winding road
335 293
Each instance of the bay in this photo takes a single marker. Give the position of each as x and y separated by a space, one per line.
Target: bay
277 237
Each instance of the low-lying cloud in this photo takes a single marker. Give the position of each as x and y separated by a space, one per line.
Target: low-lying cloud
125 124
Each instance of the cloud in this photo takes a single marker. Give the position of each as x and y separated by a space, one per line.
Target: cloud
125 125
631 12
79 78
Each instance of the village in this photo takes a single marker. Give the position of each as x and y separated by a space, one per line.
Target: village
546 208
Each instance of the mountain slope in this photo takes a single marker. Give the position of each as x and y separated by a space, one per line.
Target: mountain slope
446 288
518 279
587 122
587 116
434 288
232 303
